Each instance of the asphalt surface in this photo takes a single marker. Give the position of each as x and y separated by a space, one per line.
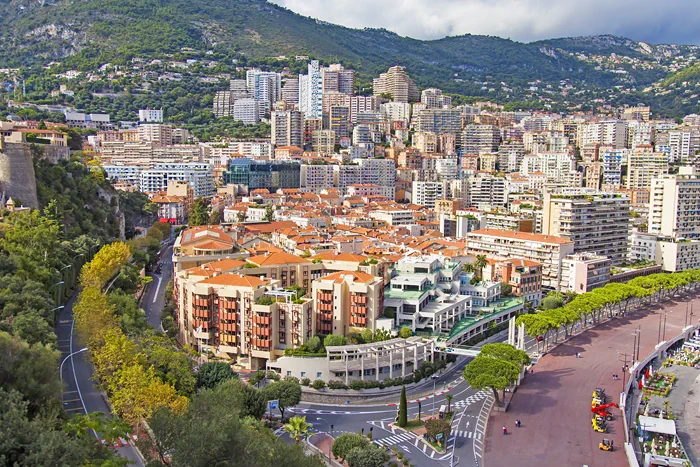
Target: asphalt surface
80 395
554 403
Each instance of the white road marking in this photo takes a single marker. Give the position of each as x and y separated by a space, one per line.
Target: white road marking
155 295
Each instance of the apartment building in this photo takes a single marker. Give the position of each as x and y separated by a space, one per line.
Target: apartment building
644 165
338 79
480 138
427 193
199 176
613 160
156 133
548 250
200 245
642 247
246 110
356 105
443 121
394 217
597 222
323 141
339 121
398 84
317 177
222 106
434 98
684 145
149 115
487 191
583 272
147 154
311 91
674 205
287 128
605 132
524 277
347 301
677 254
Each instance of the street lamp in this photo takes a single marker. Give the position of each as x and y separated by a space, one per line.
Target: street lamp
57 283
434 378
75 270
330 427
60 368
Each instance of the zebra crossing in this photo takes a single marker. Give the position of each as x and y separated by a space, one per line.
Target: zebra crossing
395 439
465 434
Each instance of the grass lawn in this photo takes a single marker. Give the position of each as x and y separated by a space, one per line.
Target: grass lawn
413 424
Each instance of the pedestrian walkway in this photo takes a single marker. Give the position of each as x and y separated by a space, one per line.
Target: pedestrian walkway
481 395
395 439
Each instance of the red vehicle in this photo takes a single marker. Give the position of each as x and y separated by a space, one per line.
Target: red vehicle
601 411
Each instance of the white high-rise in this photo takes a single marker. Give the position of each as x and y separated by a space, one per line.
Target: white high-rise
311 91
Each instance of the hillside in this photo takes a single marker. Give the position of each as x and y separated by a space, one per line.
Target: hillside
116 30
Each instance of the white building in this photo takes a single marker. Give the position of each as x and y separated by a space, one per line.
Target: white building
427 193
311 91
583 272
246 111
199 176
675 254
674 205
149 115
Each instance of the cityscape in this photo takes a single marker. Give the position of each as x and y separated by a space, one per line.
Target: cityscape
311 245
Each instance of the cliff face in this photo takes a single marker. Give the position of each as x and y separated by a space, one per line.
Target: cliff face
17 178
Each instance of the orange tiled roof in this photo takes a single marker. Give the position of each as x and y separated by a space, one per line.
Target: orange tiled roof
354 276
236 280
276 258
525 236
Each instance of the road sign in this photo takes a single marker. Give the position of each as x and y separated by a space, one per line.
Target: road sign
273 405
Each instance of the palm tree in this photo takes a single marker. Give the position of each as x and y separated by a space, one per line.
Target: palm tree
297 427
469 267
480 263
449 401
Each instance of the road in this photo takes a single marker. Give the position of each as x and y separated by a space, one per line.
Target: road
468 425
554 402
80 395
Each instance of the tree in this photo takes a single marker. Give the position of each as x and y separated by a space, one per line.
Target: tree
507 352
297 428
288 393
448 398
215 217
346 442
334 340
242 216
552 301
211 374
269 213
436 426
370 456
33 328
480 263
506 289
405 332
104 265
403 409
491 373
199 212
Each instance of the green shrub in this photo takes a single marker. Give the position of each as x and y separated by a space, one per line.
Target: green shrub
319 384
335 384
305 381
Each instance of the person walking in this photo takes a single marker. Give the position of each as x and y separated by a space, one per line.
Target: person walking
505 431
517 423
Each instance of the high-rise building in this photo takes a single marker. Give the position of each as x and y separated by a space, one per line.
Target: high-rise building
356 104
199 176
427 193
323 141
480 138
338 79
684 144
606 132
644 165
487 191
394 111
149 115
597 222
247 111
433 98
290 92
311 91
265 86
441 122
156 133
339 121
674 205
223 104
613 160
287 128
398 84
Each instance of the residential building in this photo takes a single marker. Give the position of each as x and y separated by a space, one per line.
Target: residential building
674 205
524 277
487 191
149 115
246 110
644 165
642 247
347 301
156 133
337 79
427 193
480 138
287 128
677 254
223 104
396 83
597 222
311 91
583 272
199 176
548 250
250 175
433 98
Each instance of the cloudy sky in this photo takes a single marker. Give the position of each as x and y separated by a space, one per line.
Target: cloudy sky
655 21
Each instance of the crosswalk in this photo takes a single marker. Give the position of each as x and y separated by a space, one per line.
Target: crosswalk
465 434
395 439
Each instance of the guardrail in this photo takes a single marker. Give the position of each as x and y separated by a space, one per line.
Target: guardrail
634 375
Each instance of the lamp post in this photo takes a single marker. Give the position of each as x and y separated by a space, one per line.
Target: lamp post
60 368
75 270
57 308
63 276
57 283
330 427
90 254
434 378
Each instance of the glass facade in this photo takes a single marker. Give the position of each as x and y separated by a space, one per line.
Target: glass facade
265 174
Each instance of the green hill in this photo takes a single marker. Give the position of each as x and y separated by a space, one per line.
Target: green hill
99 31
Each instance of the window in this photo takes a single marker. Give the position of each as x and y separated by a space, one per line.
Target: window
289 373
319 374
303 374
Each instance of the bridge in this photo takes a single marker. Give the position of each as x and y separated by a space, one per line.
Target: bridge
467 351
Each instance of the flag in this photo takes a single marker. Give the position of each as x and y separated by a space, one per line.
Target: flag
647 372
641 385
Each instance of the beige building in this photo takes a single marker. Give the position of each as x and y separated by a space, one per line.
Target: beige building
287 128
583 272
597 222
156 133
199 245
677 255
347 301
549 250
397 83
644 165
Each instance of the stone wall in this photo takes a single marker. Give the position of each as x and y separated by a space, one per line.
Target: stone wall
17 178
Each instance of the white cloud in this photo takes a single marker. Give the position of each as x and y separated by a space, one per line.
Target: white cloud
655 21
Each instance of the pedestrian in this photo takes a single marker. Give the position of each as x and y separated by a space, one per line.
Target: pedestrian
505 432
517 423
578 355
